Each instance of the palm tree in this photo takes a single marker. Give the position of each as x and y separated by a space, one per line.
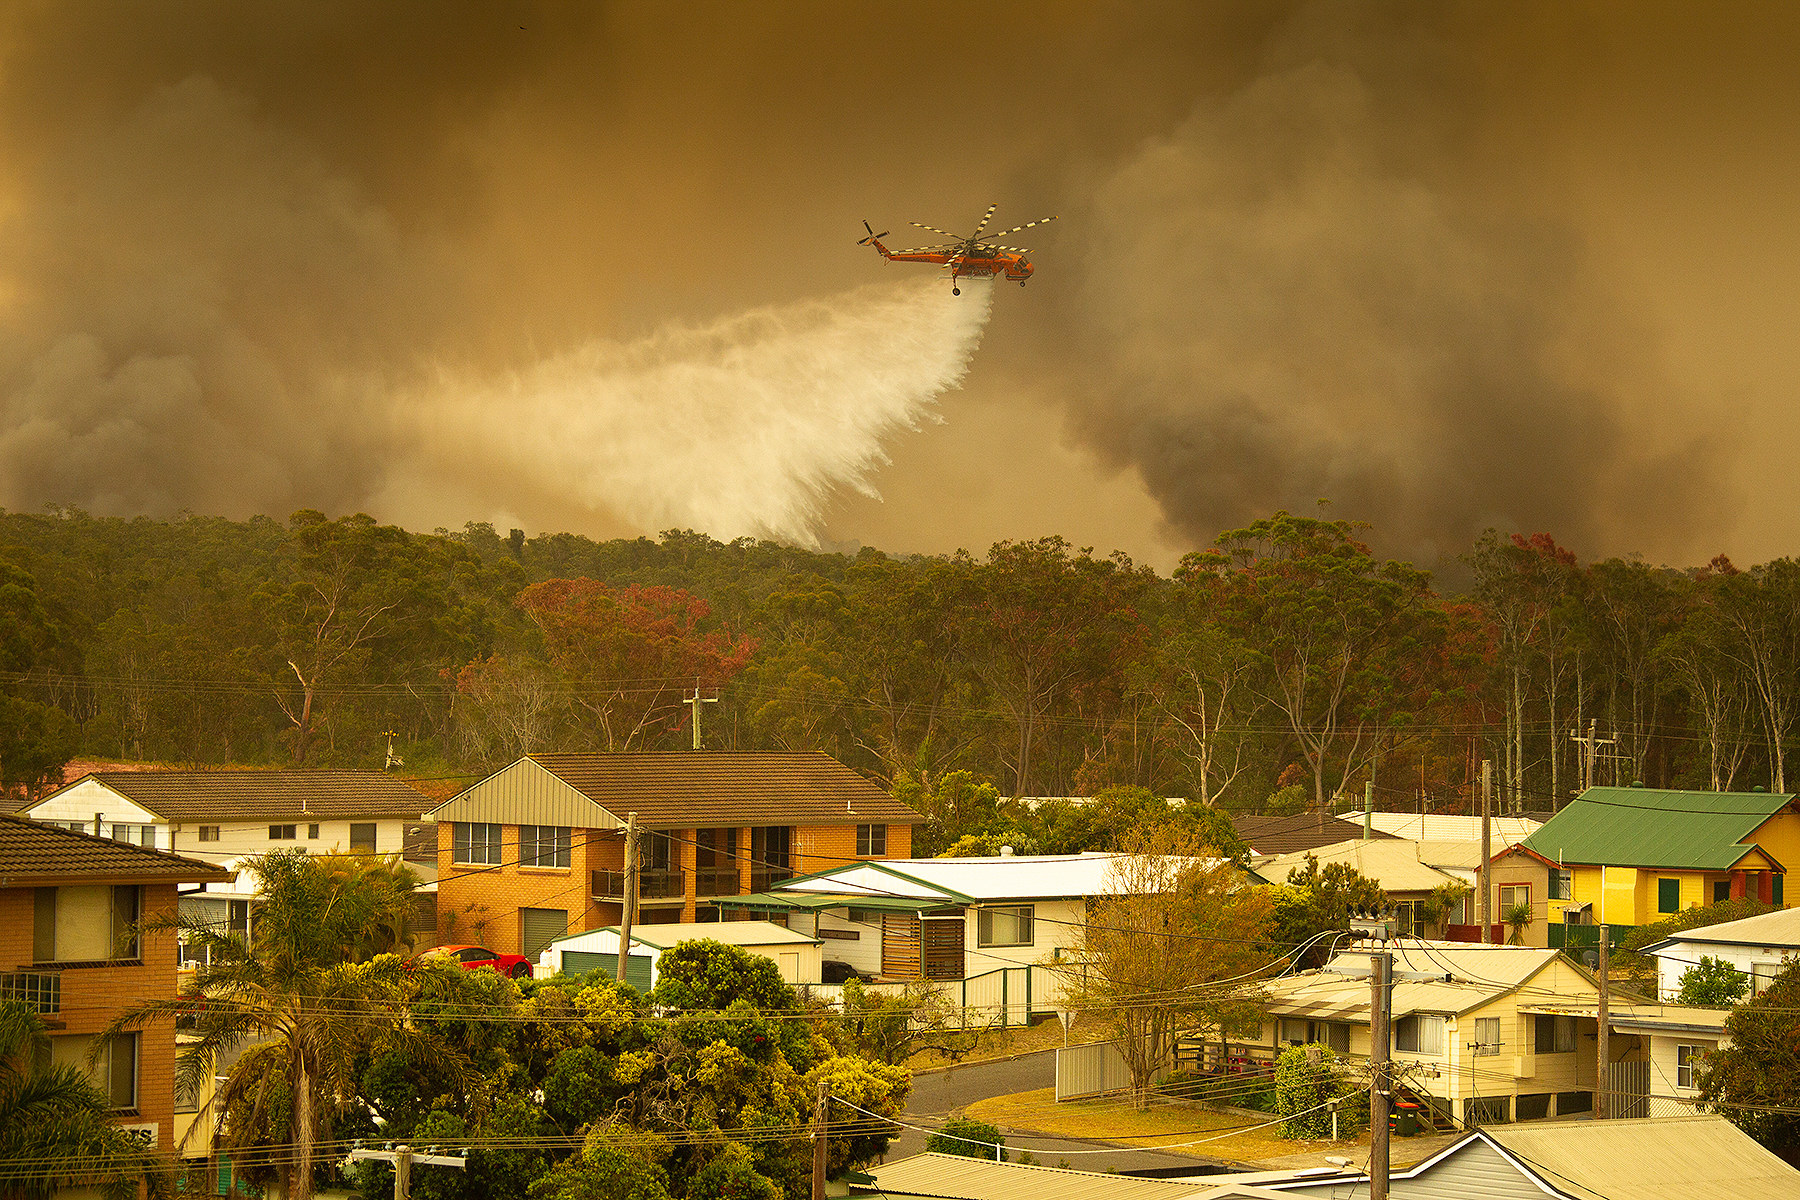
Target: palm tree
1518 919
55 1131
300 1000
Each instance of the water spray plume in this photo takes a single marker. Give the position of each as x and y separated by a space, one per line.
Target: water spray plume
742 426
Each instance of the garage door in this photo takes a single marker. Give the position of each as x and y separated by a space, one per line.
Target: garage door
538 927
580 962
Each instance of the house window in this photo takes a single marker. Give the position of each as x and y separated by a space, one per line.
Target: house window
283 833
771 848
865 916
1512 895
547 845
475 842
1721 890
1686 1059
656 852
209 833
95 923
1487 1037
1295 1033
1562 884
1763 974
1553 1034
1774 885
1668 895
1488 1110
1010 926
1419 1034
312 833
121 1064
1406 918
871 840
362 838
1334 1034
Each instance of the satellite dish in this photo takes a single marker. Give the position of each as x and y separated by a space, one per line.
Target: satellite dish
1591 958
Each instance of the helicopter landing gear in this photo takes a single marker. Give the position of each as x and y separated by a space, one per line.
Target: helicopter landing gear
956 291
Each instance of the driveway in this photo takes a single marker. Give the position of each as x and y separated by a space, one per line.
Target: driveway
939 1094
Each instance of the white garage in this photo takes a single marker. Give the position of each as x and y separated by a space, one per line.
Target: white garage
796 954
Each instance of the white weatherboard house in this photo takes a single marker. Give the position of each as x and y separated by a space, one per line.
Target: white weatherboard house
795 954
1000 921
1761 947
217 815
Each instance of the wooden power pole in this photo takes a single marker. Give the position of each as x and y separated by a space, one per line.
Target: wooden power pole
1381 1038
629 914
402 1159
1603 1081
821 1109
1484 903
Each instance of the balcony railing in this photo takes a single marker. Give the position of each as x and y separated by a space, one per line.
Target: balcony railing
40 991
716 883
652 885
762 879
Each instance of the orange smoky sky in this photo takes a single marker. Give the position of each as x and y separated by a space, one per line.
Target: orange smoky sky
1450 266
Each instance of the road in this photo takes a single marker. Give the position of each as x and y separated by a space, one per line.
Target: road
937 1094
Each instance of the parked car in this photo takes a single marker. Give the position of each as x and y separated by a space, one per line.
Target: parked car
473 958
837 972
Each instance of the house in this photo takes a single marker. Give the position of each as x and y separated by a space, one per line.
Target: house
1393 863
1469 1043
987 928
224 814
795 954
1658 1051
1760 947
1637 854
68 905
1268 837
537 849
1665 1158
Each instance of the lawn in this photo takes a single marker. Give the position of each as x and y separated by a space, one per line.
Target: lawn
1160 1126
1000 1043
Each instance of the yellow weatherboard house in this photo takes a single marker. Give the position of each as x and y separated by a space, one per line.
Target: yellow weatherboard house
1634 855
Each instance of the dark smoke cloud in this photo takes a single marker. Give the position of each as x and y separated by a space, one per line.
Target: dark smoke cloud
1306 251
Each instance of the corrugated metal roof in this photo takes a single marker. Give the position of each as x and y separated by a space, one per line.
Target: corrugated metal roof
1393 864
955 880
1649 1158
1448 827
1780 928
661 936
1675 1018
34 853
1476 976
1656 827
683 789
950 1175
1301 831
261 795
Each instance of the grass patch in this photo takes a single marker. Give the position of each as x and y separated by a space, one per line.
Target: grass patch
1000 1043
1158 1126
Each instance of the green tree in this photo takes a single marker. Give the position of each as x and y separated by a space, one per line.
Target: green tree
1344 640
1712 983
36 738
1306 1077
55 1128
1316 901
968 1138
299 1005
1754 1075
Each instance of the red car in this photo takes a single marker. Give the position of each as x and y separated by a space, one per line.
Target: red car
473 958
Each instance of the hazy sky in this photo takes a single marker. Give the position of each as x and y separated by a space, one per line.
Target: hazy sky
594 268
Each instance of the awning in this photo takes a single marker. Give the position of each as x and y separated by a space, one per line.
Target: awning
818 901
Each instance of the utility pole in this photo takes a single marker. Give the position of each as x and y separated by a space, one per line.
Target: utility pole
1484 903
1368 809
821 1109
1603 1082
402 1158
1590 744
629 910
1381 998
696 700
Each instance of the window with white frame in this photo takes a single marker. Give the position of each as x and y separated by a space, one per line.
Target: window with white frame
1004 926
1514 895
1687 1059
1762 974
475 842
1419 1033
282 833
1553 1034
1562 884
544 845
1487 1036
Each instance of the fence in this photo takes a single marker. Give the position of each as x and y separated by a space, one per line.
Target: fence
1628 1088
1006 996
1091 1070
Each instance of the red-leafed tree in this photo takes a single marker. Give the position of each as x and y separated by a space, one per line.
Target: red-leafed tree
628 654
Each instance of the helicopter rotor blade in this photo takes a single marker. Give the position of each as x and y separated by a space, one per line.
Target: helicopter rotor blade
982 224
1027 225
940 232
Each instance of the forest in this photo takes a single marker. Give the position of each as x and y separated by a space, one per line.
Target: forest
1285 665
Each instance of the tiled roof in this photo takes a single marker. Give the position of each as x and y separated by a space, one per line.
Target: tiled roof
1302 831
32 852
671 788
265 795
1655 827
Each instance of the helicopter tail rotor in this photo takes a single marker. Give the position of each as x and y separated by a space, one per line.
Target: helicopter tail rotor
873 236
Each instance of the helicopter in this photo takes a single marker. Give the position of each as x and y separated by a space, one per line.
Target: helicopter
975 256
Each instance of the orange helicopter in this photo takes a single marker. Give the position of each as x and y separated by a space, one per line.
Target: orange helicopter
975 256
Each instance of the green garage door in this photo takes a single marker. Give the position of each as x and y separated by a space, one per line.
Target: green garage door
538 927
580 962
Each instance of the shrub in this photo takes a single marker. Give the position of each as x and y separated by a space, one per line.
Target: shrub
1305 1078
971 1139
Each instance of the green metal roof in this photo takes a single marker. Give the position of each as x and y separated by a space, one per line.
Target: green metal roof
1656 828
